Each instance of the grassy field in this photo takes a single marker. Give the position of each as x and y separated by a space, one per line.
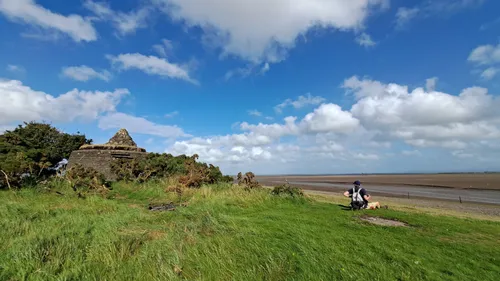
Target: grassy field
226 233
472 181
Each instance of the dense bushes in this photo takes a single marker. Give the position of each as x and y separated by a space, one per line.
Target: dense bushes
287 189
84 179
248 181
28 155
156 166
28 152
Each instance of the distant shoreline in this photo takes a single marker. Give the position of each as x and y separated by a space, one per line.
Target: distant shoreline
373 174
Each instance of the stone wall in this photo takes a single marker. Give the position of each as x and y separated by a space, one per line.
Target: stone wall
101 159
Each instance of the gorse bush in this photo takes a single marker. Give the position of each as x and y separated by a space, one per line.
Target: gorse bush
27 153
152 166
248 181
288 190
158 166
84 179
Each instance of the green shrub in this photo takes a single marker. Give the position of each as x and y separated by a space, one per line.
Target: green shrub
159 166
248 181
85 179
288 190
27 153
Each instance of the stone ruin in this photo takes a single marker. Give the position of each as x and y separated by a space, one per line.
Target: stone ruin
100 156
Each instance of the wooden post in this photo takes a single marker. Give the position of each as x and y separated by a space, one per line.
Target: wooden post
460 198
408 195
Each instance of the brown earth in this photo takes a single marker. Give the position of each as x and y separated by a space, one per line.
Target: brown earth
382 221
463 181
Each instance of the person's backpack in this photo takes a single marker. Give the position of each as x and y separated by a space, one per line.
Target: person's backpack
357 201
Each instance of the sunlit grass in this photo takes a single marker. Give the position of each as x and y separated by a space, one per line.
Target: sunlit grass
227 233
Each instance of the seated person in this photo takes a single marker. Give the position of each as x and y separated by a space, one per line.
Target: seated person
359 197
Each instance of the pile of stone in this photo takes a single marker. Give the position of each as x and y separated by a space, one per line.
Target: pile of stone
100 156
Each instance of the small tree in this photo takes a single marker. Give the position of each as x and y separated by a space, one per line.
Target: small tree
28 152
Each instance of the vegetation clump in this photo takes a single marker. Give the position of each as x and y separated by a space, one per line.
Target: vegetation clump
29 153
85 179
248 181
287 189
161 166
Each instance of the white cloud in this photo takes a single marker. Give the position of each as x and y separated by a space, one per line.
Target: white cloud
363 88
172 114
21 103
335 140
265 68
206 153
327 118
240 71
485 55
430 84
462 154
139 125
300 102
84 73
248 70
404 15
489 24
411 153
15 68
152 65
27 11
326 146
215 153
263 31
395 105
489 73
165 48
364 156
365 40
423 118
254 112
273 131
125 23
435 8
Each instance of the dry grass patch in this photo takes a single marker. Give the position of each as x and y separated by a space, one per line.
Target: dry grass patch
382 221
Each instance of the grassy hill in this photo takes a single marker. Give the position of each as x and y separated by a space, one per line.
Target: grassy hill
227 233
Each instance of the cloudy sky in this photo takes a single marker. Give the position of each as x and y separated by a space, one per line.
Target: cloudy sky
271 86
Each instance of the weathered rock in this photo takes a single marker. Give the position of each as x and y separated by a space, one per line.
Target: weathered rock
122 138
162 207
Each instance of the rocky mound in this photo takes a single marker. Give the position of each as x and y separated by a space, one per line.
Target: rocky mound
122 138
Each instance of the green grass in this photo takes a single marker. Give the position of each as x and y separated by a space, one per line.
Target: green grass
226 233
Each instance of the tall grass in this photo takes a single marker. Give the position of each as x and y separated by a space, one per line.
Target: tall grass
226 233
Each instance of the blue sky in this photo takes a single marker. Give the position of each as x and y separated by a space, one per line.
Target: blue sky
282 86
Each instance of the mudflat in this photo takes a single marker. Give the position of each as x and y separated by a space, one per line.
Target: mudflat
461 181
